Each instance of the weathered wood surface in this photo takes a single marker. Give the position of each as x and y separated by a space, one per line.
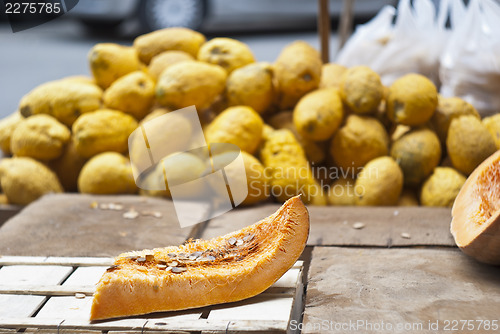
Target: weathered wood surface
67 225
399 287
8 211
60 308
22 276
333 226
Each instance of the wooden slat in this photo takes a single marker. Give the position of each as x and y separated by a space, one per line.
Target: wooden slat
45 290
66 307
19 306
398 286
48 225
22 277
271 309
71 307
259 308
64 331
85 276
7 260
218 326
333 226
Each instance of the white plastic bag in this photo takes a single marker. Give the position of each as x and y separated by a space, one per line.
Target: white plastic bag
412 45
470 64
416 45
368 40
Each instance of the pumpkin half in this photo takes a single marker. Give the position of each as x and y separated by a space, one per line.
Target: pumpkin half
225 269
476 213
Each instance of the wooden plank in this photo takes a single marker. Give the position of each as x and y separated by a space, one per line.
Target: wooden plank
333 226
46 226
7 260
272 309
401 287
66 307
23 276
324 29
71 307
216 326
263 307
62 331
29 275
45 290
85 276
8 211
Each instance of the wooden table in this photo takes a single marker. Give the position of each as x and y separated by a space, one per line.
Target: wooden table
364 268
399 273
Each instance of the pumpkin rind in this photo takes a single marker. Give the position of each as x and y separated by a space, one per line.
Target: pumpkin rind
272 247
476 213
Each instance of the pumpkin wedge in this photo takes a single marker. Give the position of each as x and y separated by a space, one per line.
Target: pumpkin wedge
225 269
476 213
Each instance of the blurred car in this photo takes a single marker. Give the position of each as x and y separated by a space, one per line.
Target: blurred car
199 14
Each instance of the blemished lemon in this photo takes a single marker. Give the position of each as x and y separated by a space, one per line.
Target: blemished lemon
469 142
417 152
361 89
442 187
412 100
360 140
379 183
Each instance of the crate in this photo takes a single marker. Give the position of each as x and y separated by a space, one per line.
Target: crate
54 295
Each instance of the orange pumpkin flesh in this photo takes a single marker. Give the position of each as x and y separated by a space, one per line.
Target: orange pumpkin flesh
476 213
233 267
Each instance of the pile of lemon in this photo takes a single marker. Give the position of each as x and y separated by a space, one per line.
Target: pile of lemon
335 135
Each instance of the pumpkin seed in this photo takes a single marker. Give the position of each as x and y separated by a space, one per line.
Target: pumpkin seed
168 268
232 241
79 295
405 235
150 257
132 257
178 270
141 259
112 267
172 255
131 214
197 254
358 225
173 264
207 258
155 214
249 237
239 242
161 266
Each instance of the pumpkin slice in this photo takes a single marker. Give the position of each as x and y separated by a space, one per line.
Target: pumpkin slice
225 269
476 213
